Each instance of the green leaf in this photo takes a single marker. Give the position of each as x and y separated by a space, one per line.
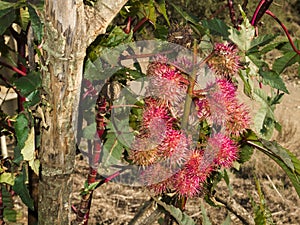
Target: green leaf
112 151
216 27
279 152
29 83
285 61
90 131
284 158
243 37
149 9
89 187
17 155
161 32
179 216
36 23
262 215
6 21
7 178
285 48
261 41
116 37
161 8
264 121
205 220
24 18
92 70
21 189
28 150
9 213
32 99
6 7
227 221
274 80
22 130
35 165
190 18
227 181
245 153
248 85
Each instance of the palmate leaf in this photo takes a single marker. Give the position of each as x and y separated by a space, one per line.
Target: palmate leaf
284 158
22 130
21 189
274 80
264 120
161 8
36 22
112 151
181 217
29 83
217 27
89 131
260 41
6 20
9 213
285 61
189 18
243 37
205 220
265 115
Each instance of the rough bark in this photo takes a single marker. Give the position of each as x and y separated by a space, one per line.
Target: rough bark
70 26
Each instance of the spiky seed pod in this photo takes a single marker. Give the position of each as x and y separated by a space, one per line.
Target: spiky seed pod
168 83
225 60
143 152
222 107
189 181
237 115
174 148
224 150
157 178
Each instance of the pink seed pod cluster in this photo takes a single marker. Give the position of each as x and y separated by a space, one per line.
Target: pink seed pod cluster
169 158
222 107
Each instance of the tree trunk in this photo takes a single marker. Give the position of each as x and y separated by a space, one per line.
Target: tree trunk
70 26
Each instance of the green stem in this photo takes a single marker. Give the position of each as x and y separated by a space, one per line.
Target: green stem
192 78
188 99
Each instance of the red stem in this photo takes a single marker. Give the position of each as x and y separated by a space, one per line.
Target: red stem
285 31
1 207
128 26
144 20
260 11
19 71
232 13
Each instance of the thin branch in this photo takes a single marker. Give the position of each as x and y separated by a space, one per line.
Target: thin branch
260 11
285 31
238 210
13 68
232 13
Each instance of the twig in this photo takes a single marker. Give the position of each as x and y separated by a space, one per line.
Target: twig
232 13
273 185
285 31
13 68
236 209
